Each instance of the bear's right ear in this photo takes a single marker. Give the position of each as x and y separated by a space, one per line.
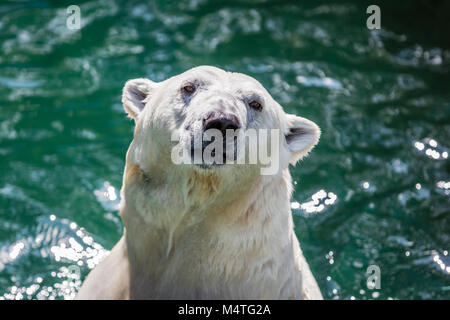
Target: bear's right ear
135 94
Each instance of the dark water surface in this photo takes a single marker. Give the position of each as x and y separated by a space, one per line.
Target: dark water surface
375 191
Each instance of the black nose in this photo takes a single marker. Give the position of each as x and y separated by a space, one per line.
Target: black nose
222 124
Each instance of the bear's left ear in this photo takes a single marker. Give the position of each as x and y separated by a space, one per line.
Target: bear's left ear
301 137
134 95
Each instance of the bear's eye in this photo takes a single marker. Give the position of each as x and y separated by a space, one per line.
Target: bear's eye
255 105
189 89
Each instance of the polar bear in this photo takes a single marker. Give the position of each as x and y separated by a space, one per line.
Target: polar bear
205 231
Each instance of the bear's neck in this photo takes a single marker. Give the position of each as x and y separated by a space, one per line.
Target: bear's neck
167 231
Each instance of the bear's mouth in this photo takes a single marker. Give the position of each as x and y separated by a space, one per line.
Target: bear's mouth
209 166
213 161
208 159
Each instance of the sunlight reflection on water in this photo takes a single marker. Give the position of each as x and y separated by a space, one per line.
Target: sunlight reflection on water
432 149
319 201
108 197
75 250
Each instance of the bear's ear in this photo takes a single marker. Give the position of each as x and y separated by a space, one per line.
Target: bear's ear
135 94
301 137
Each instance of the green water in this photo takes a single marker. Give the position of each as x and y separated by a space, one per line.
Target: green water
375 191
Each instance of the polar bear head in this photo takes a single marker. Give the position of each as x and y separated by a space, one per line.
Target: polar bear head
208 99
